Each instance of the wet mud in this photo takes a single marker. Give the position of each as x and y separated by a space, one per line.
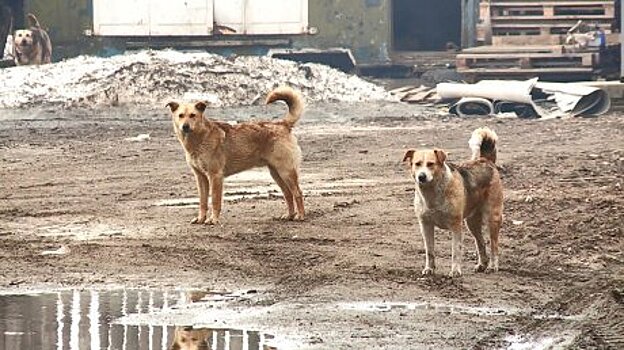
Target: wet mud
82 207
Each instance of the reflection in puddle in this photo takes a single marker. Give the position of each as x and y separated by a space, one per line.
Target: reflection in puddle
84 320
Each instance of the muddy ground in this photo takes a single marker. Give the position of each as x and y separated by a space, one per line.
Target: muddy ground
71 180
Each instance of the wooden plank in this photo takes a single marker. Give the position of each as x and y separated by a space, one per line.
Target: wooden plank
546 18
558 24
514 48
552 39
526 55
494 3
492 71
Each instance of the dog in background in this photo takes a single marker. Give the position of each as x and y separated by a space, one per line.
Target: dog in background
32 46
447 195
215 150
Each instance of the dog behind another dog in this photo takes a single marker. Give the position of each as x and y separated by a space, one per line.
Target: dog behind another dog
215 150
447 195
32 46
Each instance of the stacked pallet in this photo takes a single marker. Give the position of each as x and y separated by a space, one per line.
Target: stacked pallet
527 38
525 61
519 22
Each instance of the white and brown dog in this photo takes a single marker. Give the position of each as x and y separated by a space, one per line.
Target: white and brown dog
32 46
448 194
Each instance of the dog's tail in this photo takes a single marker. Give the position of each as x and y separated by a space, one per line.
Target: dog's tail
483 144
293 99
33 21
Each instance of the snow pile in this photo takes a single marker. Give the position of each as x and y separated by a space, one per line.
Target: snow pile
153 77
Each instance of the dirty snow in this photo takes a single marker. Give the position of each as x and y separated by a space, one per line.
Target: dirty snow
151 77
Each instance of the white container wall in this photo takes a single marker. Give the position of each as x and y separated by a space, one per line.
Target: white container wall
197 17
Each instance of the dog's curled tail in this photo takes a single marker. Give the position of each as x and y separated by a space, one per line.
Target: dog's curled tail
293 99
34 22
483 144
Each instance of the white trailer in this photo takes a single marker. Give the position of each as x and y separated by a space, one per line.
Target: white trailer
198 17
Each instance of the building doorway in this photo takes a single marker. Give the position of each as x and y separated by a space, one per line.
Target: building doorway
425 25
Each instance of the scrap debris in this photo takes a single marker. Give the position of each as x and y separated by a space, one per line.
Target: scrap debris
151 77
524 99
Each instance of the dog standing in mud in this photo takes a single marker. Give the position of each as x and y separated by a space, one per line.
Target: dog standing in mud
215 150
447 194
32 46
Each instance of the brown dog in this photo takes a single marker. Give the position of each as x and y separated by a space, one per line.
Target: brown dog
448 194
215 150
32 46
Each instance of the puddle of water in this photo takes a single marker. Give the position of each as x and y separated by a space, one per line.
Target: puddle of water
85 320
516 342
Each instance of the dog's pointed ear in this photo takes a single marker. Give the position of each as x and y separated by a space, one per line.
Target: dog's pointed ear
409 154
201 106
440 155
173 105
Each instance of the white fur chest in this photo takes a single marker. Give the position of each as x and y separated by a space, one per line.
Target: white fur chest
437 212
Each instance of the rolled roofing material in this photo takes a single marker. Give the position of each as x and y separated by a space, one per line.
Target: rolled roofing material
549 100
470 106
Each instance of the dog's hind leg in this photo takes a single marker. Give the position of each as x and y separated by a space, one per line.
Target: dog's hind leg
475 223
494 224
291 178
202 189
288 196
426 229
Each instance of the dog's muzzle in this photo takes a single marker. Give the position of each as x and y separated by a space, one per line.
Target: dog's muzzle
186 128
422 178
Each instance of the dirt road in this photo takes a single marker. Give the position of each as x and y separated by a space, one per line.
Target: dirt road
349 276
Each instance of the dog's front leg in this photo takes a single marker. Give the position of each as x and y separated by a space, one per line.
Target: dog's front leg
216 194
202 188
426 229
456 254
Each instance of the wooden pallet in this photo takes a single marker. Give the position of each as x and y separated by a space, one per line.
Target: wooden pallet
525 61
504 22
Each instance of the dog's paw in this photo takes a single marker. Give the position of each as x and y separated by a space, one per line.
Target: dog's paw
427 271
491 269
198 220
298 217
286 217
213 221
480 268
455 273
